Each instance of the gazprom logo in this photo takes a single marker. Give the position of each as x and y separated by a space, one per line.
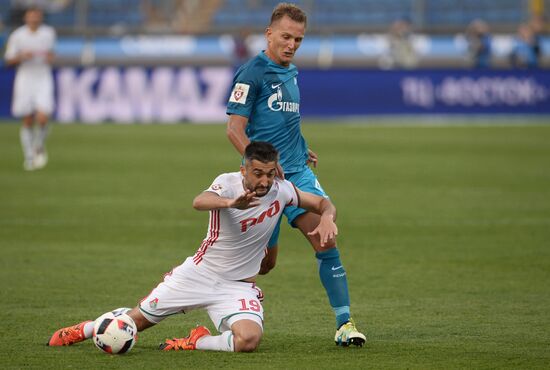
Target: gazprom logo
276 103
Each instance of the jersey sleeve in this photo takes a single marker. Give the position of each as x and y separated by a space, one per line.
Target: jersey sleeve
291 194
11 48
221 186
53 39
245 89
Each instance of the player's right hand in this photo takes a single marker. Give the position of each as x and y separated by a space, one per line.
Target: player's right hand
247 200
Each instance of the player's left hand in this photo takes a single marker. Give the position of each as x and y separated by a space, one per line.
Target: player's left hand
313 159
327 231
246 200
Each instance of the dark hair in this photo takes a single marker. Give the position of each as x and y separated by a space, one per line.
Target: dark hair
33 8
290 10
261 151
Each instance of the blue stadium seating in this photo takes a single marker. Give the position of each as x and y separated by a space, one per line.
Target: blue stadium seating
333 15
368 13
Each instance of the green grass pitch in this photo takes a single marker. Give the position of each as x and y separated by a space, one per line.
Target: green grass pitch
444 233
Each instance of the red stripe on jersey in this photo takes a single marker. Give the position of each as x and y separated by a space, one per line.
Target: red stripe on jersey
212 229
213 236
214 233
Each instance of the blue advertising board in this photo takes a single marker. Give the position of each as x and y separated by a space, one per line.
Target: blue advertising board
364 92
199 94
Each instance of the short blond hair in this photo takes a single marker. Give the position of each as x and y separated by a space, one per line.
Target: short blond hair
290 10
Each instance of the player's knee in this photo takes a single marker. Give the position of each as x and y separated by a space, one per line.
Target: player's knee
248 341
316 244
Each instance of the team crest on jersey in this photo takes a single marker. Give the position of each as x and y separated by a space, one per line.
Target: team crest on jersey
239 93
153 303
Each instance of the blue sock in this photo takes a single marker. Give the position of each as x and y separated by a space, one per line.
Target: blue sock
333 277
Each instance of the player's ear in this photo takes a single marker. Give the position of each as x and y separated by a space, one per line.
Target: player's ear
243 170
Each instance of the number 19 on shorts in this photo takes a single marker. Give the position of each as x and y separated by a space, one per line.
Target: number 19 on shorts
252 305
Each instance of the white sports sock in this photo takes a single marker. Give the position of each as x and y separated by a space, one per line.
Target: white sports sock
41 135
223 342
26 135
89 329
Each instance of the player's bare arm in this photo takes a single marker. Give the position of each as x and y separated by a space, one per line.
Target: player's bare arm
236 133
207 201
269 261
19 58
327 229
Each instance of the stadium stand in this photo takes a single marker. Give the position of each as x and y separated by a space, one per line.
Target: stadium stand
325 15
353 15
350 32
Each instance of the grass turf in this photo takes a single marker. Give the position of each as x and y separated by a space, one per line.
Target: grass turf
444 233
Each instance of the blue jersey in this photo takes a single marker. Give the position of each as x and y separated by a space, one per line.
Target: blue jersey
268 95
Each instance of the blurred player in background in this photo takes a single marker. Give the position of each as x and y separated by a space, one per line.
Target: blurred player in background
401 51
264 106
244 210
479 43
30 49
524 53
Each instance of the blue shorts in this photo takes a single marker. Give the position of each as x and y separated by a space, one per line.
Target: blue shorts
304 180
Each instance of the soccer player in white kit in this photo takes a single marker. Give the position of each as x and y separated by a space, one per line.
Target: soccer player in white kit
220 277
30 48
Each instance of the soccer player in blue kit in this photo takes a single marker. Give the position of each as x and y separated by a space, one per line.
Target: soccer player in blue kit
264 105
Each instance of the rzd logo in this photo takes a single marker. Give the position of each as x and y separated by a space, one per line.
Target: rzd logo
274 208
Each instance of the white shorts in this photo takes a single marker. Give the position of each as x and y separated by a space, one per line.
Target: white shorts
32 96
184 289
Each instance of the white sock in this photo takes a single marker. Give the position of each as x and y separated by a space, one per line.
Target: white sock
41 135
27 137
88 329
223 342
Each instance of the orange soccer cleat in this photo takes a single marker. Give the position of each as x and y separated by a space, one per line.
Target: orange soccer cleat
69 335
188 343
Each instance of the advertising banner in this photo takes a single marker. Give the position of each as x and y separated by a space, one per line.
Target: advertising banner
195 94
364 92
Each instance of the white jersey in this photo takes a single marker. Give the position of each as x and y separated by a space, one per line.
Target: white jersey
236 241
33 87
39 43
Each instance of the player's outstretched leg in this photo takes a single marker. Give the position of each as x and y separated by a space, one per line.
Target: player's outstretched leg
84 330
71 334
188 343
